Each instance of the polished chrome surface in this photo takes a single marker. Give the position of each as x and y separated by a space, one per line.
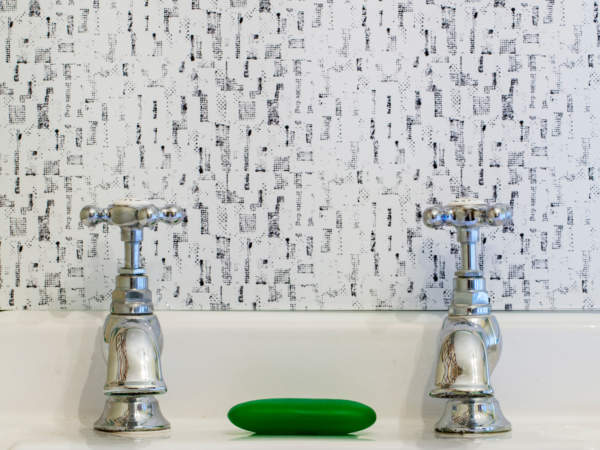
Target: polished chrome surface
131 332
472 415
467 215
131 413
470 347
131 214
470 341
134 349
131 295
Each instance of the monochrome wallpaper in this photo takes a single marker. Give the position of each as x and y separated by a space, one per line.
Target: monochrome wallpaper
304 138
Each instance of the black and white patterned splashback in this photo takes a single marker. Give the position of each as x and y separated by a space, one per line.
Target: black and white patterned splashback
304 138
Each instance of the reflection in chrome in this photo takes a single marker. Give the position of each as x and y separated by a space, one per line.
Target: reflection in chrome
470 340
131 331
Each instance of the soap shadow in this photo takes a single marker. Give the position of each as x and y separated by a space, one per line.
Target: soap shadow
345 437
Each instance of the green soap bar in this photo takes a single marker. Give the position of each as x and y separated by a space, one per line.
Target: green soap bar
317 416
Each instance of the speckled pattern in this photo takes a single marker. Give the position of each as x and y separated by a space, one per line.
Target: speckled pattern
304 138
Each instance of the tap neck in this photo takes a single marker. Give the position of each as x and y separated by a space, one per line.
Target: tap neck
132 242
468 239
131 295
469 296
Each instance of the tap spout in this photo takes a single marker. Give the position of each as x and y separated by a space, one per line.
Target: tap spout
462 367
134 348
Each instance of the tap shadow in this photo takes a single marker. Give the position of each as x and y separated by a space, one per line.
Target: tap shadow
91 399
324 437
424 369
421 382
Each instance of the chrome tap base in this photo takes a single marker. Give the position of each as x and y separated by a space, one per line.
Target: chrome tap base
472 415
131 413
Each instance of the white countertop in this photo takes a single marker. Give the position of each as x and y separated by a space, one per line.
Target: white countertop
557 434
53 372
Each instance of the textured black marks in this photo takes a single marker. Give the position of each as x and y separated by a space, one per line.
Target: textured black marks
264 6
449 24
403 9
507 102
44 223
548 18
224 254
457 136
268 113
43 121
214 29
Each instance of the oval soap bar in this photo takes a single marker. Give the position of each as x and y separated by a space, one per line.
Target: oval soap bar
316 416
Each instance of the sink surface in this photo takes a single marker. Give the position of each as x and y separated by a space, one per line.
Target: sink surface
54 372
214 434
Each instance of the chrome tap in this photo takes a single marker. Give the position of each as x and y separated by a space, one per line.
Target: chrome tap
470 341
131 330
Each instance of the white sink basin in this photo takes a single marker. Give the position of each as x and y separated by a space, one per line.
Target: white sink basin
411 435
53 372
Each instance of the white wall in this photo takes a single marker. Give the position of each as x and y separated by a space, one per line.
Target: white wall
316 131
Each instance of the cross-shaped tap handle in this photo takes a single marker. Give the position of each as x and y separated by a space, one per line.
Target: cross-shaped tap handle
131 294
467 213
131 214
